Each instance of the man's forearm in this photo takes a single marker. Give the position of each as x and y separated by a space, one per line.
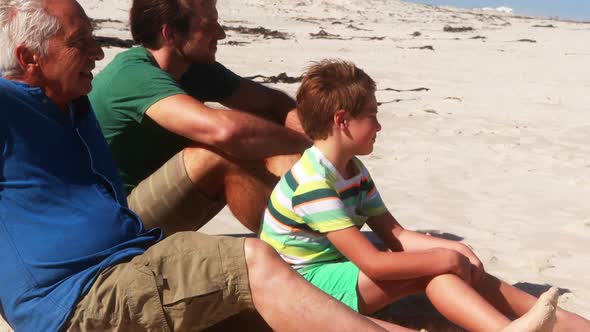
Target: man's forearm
251 138
262 101
239 134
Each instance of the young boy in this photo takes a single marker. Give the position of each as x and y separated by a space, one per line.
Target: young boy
315 213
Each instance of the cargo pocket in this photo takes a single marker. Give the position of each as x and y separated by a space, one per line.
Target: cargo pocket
191 289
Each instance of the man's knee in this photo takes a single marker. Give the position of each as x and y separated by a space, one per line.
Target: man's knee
265 266
256 251
279 165
203 163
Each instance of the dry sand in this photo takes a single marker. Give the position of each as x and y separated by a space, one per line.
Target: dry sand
484 131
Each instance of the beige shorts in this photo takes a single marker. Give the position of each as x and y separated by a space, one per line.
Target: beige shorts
187 282
168 199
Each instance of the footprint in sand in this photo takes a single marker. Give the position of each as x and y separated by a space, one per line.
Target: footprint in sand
545 263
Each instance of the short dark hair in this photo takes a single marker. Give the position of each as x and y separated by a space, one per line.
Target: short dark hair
148 16
329 86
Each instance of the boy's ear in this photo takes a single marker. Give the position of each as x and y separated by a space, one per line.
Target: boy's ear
341 118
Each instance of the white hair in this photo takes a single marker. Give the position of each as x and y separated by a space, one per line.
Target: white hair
23 22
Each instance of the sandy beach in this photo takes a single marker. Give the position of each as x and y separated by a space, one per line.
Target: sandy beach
485 115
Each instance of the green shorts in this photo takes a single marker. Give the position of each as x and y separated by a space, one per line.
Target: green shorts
337 279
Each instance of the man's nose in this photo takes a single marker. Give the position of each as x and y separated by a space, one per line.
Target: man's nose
220 33
96 52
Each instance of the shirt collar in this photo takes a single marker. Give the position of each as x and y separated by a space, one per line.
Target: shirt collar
79 106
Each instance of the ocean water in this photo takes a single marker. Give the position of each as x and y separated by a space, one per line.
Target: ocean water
565 9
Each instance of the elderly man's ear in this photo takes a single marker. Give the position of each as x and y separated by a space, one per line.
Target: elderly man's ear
28 61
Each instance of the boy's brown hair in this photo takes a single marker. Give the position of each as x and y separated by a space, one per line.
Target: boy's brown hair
328 86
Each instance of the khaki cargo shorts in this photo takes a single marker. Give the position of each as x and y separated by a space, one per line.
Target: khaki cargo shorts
168 199
187 282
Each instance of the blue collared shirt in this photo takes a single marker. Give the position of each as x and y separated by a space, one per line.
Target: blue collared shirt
63 211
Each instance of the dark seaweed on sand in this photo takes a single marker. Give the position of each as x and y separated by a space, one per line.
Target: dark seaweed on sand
114 42
544 26
96 21
280 78
449 28
266 33
322 34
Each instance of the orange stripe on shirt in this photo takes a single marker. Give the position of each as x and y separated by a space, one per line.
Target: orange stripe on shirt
315 201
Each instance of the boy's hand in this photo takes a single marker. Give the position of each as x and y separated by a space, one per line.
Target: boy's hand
477 269
460 265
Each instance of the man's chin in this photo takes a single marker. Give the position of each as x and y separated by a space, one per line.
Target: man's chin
81 90
210 59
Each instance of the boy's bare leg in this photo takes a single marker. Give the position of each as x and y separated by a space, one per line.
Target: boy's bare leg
540 318
469 310
287 302
514 302
463 305
452 297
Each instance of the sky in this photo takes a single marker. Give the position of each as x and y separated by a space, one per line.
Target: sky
566 9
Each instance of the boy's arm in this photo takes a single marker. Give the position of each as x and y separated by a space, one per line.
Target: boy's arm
380 265
396 237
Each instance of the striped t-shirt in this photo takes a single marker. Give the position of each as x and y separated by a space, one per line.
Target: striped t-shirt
311 200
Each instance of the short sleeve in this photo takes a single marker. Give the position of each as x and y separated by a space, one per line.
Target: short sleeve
320 207
210 82
143 87
128 87
372 204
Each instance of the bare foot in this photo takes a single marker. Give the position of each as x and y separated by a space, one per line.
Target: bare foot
540 318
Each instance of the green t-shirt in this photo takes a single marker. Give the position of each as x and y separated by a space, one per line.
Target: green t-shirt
127 87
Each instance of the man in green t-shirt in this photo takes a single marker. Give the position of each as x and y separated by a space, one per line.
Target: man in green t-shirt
180 160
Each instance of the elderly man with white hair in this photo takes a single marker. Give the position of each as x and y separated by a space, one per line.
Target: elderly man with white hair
73 255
